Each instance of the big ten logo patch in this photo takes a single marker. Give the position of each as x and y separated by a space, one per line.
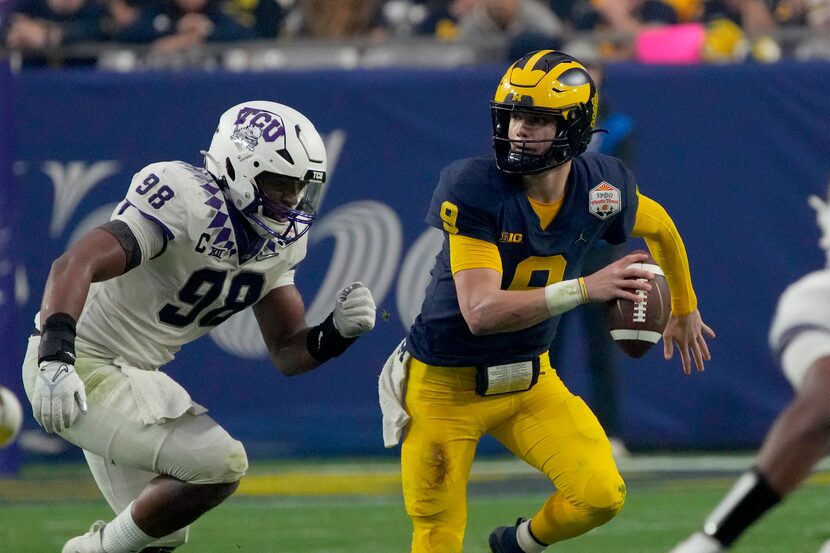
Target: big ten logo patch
511 237
604 200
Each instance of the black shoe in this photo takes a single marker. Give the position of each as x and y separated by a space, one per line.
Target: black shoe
503 539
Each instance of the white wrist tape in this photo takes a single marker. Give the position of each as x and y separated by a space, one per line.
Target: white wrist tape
564 296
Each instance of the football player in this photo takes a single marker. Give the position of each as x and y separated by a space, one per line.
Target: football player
186 249
517 227
800 435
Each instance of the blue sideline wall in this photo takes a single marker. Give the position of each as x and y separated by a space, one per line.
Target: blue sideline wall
11 344
732 152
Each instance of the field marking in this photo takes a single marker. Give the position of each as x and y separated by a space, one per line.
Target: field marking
374 477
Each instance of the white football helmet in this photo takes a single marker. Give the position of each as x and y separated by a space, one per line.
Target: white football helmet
266 137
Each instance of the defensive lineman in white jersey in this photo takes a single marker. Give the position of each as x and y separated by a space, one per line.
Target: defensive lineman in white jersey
184 251
800 435
200 247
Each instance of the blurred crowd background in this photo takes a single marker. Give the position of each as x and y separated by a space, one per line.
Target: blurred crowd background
267 34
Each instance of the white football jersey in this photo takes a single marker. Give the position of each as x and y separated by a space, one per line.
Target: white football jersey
196 269
800 332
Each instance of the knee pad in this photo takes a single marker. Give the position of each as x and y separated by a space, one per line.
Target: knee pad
202 452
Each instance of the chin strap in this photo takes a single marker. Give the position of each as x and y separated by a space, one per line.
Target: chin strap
823 219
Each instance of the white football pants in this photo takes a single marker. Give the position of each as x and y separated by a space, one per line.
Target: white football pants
124 453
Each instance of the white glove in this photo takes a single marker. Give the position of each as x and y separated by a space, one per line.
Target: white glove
58 391
354 311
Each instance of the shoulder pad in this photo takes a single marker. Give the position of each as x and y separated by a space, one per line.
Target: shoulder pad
172 194
468 198
475 182
611 168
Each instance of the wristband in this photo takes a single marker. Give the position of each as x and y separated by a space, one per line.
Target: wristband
583 289
564 296
57 341
324 342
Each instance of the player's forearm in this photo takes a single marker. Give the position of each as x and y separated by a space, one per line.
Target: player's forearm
309 348
506 311
292 356
65 292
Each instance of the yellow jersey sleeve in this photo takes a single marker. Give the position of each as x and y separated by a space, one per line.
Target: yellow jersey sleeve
655 226
472 253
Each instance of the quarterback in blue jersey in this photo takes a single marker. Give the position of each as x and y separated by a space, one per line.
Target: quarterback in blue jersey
517 227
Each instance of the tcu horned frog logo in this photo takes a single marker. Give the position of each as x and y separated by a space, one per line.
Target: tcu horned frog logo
604 200
252 124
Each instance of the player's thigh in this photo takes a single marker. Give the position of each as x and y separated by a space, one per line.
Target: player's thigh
192 448
557 433
439 442
112 426
119 484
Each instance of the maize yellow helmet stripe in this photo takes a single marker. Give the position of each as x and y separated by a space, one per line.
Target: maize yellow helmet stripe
536 87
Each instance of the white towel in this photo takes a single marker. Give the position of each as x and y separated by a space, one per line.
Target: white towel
391 395
158 397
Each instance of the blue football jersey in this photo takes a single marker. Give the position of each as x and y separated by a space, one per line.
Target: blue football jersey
473 198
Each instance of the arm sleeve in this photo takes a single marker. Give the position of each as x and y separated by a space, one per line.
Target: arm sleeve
472 253
655 226
150 237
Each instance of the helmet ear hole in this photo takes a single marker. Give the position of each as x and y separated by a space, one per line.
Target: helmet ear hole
229 169
286 156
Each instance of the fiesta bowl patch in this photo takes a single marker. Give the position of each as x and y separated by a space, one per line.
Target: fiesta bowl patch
604 200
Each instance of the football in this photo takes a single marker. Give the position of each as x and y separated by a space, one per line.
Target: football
637 326
11 417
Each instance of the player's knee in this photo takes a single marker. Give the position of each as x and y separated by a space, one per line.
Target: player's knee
227 464
436 540
221 463
438 525
604 497
429 507
435 532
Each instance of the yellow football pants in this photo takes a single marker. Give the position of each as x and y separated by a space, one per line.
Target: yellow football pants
546 426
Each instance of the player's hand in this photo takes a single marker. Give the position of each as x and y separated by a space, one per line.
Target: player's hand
354 311
59 396
689 334
618 280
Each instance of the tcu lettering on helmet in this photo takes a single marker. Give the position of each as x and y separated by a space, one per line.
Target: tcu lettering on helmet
259 137
548 83
263 124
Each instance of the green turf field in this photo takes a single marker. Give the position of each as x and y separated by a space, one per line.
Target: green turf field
356 507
